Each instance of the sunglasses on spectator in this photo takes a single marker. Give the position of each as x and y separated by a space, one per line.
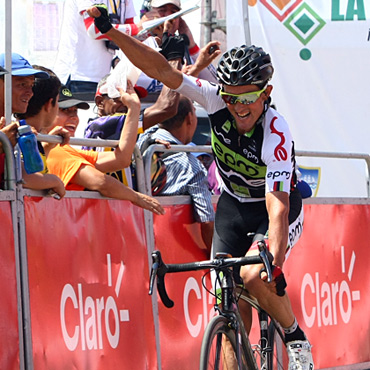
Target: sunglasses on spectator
246 98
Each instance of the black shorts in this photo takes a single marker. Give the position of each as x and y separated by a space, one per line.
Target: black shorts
235 220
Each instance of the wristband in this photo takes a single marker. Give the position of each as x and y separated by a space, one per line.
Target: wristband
194 50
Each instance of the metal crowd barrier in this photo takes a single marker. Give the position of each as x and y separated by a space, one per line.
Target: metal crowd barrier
10 173
143 164
208 149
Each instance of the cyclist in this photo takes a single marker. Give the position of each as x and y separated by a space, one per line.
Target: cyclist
254 153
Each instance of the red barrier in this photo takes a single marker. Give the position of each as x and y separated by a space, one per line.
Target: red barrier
9 338
328 281
326 272
88 275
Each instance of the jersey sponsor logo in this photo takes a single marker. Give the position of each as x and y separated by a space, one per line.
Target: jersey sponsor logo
240 191
198 82
277 174
295 232
225 139
280 152
250 155
226 126
235 161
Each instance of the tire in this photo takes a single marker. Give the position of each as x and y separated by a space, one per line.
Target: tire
213 346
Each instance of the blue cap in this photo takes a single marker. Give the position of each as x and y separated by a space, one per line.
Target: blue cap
21 67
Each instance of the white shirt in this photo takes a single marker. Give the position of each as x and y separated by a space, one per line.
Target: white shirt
80 56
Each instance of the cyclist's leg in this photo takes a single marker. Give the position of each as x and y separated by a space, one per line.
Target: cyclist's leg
280 307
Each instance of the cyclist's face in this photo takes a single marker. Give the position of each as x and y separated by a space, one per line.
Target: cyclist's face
246 115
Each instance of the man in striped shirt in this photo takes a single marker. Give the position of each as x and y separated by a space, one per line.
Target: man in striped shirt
185 173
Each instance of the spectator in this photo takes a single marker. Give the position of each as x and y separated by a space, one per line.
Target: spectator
85 56
84 169
67 116
23 78
185 174
176 26
10 134
168 7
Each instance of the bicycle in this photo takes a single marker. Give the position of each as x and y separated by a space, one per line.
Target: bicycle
228 323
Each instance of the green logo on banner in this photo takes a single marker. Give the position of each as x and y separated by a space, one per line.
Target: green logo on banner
304 23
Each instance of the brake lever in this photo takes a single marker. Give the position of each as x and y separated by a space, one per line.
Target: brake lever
266 258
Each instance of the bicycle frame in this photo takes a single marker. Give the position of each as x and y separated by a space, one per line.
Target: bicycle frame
229 309
229 303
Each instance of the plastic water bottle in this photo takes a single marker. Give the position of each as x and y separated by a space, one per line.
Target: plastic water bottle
28 143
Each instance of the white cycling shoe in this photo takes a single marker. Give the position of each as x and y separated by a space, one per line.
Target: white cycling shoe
300 356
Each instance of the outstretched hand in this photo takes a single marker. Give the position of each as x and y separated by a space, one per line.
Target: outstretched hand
149 203
129 97
208 54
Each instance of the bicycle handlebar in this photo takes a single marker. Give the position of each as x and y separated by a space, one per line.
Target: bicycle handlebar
160 269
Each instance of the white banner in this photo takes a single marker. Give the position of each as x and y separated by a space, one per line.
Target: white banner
321 53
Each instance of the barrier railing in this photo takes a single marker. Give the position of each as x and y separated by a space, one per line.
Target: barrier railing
300 153
10 174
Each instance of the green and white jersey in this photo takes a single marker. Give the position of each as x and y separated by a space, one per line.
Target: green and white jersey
252 164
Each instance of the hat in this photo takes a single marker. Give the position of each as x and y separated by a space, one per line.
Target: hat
3 71
140 91
66 100
158 3
21 67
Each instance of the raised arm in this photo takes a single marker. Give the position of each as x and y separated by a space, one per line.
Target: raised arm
165 106
120 158
142 56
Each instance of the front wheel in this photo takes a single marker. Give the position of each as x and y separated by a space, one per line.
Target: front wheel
276 359
219 347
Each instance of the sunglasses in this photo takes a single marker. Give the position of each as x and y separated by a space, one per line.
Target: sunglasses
246 98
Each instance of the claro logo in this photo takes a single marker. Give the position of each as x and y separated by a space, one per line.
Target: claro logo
333 302
97 317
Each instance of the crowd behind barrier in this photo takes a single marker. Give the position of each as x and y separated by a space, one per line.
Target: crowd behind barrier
88 275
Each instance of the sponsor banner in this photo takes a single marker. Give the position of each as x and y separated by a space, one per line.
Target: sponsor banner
328 283
327 278
88 274
317 46
9 338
